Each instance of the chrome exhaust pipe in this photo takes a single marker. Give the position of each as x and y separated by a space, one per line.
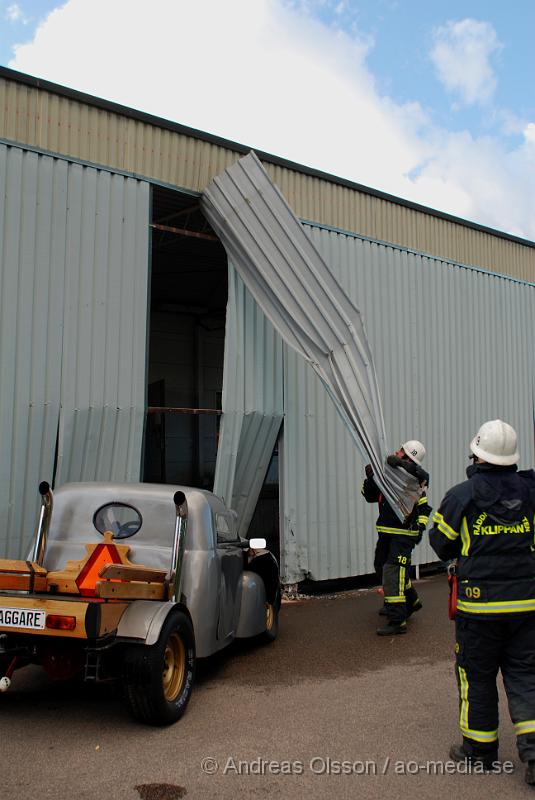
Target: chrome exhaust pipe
47 501
179 544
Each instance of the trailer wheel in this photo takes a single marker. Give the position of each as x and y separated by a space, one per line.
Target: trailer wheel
272 621
158 680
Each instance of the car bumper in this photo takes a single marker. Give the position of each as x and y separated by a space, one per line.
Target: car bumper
43 616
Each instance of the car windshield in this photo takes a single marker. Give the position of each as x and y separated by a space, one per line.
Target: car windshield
122 520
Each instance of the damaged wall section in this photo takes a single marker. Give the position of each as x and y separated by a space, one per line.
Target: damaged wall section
252 402
73 288
452 347
449 341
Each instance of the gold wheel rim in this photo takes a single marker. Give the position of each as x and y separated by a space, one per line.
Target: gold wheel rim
174 667
270 616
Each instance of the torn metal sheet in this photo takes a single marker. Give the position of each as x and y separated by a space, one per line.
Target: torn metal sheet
298 293
252 402
258 437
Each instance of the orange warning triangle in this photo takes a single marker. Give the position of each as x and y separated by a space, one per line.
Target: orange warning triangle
102 554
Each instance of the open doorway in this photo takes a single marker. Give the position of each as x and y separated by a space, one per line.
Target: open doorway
189 288
188 306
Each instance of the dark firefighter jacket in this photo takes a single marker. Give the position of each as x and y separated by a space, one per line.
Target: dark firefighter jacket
487 523
388 523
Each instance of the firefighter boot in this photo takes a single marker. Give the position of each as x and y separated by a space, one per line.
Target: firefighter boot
487 760
530 773
392 628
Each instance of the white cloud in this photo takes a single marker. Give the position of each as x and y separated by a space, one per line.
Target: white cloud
529 133
264 73
14 13
462 55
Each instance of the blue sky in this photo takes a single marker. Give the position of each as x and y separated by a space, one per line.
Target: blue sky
399 59
19 21
431 101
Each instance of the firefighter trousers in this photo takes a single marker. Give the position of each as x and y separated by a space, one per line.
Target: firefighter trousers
483 647
399 594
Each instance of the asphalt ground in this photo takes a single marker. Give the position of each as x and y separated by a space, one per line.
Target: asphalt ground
330 710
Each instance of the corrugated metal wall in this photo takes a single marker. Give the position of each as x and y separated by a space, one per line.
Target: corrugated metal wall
337 206
74 270
453 347
60 124
31 270
252 402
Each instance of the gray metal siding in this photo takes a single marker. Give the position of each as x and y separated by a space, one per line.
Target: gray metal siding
73 300
31 281
103 376
49 120
452 348
252 401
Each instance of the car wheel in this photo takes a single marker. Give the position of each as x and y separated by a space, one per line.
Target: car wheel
158 679
272 622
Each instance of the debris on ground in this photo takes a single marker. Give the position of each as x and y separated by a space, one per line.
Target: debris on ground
291 593
160 791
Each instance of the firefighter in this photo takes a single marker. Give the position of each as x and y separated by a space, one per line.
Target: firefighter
396 540
487 524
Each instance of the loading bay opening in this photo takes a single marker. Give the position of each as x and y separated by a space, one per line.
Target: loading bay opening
187 315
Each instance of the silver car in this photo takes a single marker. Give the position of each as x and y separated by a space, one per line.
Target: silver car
134 581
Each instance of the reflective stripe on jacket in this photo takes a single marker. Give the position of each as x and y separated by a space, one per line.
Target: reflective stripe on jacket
388 523
487 523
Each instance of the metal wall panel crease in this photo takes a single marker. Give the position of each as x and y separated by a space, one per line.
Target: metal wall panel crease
43 119
291 283
32 196
106 284
73 295
252 402
452 347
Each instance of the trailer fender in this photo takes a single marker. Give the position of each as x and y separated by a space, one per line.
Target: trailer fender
143 620
252 620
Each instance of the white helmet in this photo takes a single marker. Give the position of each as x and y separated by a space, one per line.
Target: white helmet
415 450
495 442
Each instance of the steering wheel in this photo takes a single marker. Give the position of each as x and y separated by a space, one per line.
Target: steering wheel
127 529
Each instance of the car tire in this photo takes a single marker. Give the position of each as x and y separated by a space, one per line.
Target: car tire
272 621
158 679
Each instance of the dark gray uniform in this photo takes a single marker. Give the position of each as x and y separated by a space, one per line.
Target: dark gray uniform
395 543
487 523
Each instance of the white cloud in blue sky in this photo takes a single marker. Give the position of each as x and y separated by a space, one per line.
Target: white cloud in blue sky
530 133
343 86
462 55
14 13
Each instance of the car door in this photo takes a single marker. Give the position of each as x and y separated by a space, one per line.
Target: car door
230 558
